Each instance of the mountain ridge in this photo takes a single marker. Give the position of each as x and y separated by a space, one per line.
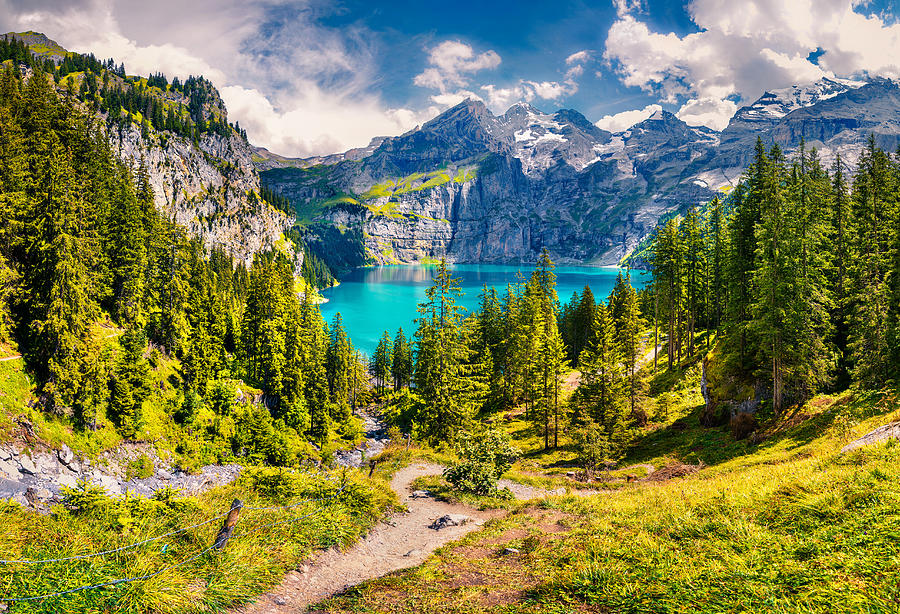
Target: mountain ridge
558 181
200 166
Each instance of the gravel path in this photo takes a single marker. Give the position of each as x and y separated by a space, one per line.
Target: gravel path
404 540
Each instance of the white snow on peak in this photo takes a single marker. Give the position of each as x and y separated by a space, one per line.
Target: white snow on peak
775 104
657 115
524 135
551 136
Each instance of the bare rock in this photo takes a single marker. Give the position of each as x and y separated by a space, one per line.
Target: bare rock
26 465
509 551
882 433
450 520
420 494
8 469
65 455
279 600
5 454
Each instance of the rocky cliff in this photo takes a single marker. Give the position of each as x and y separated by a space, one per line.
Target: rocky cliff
210 187
200 166
476 187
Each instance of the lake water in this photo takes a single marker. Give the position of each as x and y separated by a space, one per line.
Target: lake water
374 299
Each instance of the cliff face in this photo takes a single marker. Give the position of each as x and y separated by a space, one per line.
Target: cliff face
211 188
476 187
200 166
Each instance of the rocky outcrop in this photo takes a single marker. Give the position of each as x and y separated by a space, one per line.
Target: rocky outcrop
879 435
212 189
37 479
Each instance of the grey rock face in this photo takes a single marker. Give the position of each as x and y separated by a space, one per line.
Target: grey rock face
65 455
26 465
210 190
541 180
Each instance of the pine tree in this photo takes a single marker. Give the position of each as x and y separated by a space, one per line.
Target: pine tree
401 361
600 396
129 385
442 360
629 327
380 367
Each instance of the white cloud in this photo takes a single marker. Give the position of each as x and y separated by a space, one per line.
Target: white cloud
710 112
744 48
304 89
625 7
626 119
452 64
579 57
315 124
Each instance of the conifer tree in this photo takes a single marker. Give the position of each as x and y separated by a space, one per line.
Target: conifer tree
401 361
629 329
442 360
600 396
380 366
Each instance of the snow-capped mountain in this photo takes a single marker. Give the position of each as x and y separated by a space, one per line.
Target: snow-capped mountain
479 187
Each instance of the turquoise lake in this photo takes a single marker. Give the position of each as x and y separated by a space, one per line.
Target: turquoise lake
374 299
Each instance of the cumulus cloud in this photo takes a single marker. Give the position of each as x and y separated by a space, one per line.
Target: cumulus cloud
625 7
744 48
710 112
452 63
296 86
452 68
626 119
315 125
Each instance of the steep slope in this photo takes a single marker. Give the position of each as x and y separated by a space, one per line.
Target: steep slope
200 166
477 187
481 188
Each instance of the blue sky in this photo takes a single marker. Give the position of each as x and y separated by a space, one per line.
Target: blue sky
311 77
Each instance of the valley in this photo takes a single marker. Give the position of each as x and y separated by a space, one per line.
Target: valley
498 362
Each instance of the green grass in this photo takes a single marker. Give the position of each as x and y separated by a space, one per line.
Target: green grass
250 564
785 524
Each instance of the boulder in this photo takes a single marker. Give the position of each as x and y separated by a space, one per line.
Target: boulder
449 520
65 455
26 465
882 433
508 551
9 470
46 463
420 494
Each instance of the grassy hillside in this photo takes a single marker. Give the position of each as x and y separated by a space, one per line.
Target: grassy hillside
780 521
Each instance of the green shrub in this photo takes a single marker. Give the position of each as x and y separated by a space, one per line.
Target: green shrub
592 446
486 455
139 468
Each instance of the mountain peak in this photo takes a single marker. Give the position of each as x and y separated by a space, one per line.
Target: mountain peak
40 44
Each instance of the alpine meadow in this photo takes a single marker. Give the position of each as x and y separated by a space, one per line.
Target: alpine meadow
353 375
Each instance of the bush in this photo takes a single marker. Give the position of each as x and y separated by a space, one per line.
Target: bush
592 446
139 468
742 425
486 455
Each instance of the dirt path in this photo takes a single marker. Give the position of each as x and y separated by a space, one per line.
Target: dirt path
405 540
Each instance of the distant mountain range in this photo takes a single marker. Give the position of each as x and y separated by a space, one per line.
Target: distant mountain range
483 188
